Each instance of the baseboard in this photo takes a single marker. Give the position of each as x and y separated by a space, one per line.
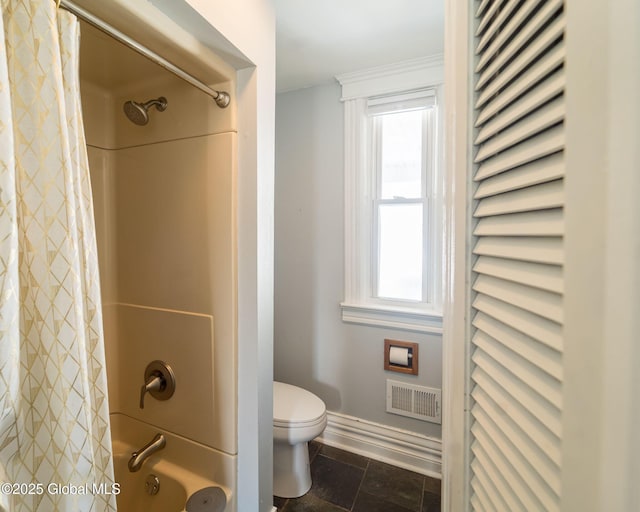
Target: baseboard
395 446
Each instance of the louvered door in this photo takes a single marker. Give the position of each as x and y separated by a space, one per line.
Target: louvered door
517 306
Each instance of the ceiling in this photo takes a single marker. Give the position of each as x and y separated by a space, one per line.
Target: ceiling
316 40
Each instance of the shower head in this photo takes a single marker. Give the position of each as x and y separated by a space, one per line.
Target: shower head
138 112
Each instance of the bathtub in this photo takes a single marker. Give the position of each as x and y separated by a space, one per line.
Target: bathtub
177 471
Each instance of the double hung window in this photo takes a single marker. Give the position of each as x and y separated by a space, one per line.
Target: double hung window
401 161
393 211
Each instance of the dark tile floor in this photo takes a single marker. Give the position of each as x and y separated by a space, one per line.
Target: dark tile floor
346 481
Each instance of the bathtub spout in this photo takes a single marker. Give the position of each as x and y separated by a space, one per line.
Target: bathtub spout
138 457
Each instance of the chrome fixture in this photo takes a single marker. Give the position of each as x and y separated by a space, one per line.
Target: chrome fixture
221 98
159 382
138 113
152 485
137 458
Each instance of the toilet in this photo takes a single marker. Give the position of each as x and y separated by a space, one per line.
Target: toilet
298 417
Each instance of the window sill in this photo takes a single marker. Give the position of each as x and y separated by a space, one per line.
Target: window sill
393 318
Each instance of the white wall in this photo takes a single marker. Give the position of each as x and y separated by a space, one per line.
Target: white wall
600 451
313 348
249 25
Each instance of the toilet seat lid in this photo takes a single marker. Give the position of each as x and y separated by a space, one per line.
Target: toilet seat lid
293 405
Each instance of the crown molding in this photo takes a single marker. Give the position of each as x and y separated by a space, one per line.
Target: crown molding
410 74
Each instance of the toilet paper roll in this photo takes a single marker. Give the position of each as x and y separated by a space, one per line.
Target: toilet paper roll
399 356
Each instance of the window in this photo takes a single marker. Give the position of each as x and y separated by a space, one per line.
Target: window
393 210
400 159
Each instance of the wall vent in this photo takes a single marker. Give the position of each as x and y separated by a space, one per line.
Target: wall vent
417 402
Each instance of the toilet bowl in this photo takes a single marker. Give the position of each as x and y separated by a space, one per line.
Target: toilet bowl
298 417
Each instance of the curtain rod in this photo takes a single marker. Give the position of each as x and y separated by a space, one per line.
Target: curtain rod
221 98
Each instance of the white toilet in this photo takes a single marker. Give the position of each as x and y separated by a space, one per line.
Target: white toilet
298 417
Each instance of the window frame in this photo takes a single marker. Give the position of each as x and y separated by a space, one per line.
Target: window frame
427 168
360 92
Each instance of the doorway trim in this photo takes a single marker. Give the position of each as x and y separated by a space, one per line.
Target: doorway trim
457 162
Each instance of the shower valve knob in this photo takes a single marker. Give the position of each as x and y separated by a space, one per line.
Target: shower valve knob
159 382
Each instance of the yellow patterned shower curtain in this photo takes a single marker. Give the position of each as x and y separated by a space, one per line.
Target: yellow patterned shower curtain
55 447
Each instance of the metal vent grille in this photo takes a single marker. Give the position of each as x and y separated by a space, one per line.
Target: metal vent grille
417 402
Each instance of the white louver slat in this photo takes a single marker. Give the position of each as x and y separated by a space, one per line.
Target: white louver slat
484 4
533 74
493 82
547 223
553 86
539 197
544 304
545 277
513 490
525 347
539 171
544 117
515 35
491 23
522 455
517 309
545 143
514 392
523 448
528 424
494 491
541 250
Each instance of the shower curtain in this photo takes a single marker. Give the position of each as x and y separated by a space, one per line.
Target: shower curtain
55 448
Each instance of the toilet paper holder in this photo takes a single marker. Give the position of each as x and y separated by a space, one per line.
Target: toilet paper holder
401 356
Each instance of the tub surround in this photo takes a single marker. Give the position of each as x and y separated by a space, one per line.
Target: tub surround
170 465
165 202
148 334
